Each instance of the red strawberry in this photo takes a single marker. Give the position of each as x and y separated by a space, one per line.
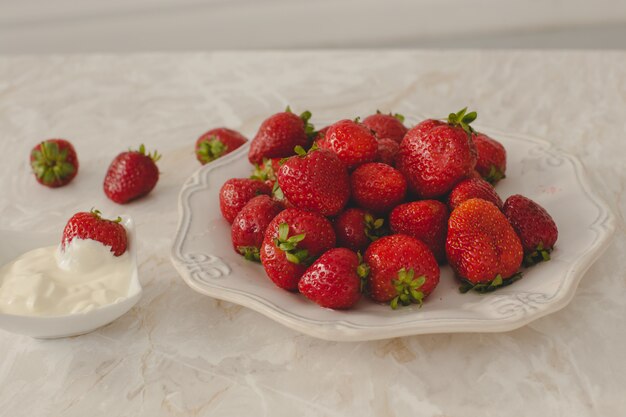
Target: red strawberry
402 270
279 135
293 240
131 175
481 246
54 162
473 188
236 192
248 229
434 160
388 151
491 158
353 143
334 280
377 187
90 225
266 171
426 220
218 142
386 125
315 181
534 226
356 229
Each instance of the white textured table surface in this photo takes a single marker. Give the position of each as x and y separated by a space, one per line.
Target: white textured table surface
178 353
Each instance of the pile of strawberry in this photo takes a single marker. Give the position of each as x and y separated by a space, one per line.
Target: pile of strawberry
371 207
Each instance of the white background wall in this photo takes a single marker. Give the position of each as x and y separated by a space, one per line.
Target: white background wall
62 26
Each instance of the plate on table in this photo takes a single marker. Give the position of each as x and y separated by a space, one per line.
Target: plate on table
203 255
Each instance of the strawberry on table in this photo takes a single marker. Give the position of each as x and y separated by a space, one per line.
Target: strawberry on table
248 228
91 225
434 156
426 220
534 226
482 247
236 192
491 158
473 188
280 134
315 180
216 143
353 143
386 125
293 240
335 279
403 270
377 187
388 151
356 228
131 175
54 162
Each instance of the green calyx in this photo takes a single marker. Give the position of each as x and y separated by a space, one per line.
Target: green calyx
289 245
309 129
301 152
98 215
49 163
210 149
408 288
497 282
463 120
277 192
362 271
251 253
155 156
494 175
264 172
374 227
540 254
398 116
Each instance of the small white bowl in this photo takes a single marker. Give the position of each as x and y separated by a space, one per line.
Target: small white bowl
13 244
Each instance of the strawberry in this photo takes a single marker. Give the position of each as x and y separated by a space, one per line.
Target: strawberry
435 156
293 240
491 158
386 125
315 180
218 142
387 151
377 187
402 270
534 226
334 280
248 228
481 246
266 171
353 143
236 192
426 220
131 175
279 135
91 225
54 162
356 229
473 188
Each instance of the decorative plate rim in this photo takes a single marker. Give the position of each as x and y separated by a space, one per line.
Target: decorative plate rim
343 330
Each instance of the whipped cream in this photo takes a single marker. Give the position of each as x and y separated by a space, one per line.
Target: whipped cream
50 281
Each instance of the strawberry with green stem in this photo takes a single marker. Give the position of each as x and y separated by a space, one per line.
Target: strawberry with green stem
293 240
90 225
356 229
248 228
216 143
403 270
131 175
54 162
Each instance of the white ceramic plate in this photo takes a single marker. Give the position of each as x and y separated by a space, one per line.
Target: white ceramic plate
13 244
203 254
